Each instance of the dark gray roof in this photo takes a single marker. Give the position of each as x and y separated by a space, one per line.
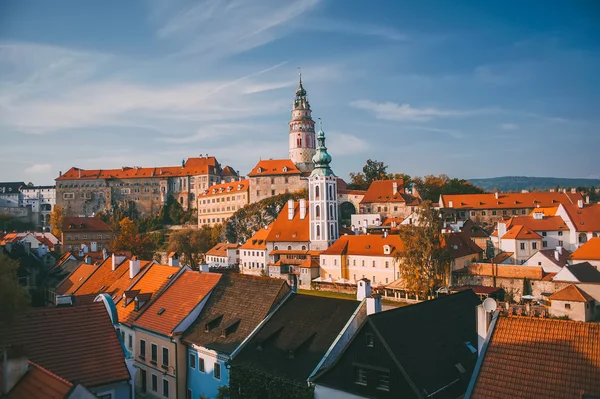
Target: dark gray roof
11 187
585 272
306 325
234 309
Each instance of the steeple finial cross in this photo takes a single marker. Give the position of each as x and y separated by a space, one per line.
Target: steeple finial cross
300 74
320 124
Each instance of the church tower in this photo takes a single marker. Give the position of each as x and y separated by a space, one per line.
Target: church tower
302 131
322 197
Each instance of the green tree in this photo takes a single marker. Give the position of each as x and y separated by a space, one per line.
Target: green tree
431 187
193 244
56 220
372 171
14 298
425 260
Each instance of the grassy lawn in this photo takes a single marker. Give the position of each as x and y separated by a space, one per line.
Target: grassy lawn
341 295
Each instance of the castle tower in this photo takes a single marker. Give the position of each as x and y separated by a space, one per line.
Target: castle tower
322 197
302 131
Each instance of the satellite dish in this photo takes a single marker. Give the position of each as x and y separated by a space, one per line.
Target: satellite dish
489 305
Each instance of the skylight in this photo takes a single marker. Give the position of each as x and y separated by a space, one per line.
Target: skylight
161 311
471 347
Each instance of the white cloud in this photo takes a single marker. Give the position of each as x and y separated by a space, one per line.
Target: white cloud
338 26
509 126
345 144
217 28
405 112
38 168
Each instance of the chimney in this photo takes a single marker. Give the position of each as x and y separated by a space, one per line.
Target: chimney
587 199
302 209
580 203
59 173
573 190
394 188
104 254
385 233
173 259
88 259
559 250
116 261
373 304
496 194
290 209
364 289
14 367
557 254
450 204
483 324
134 267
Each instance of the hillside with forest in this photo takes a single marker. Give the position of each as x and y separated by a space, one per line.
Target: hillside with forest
518 183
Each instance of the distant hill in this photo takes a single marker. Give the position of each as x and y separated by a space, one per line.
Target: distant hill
518 183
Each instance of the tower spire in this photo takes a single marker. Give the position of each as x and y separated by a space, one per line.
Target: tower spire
321 159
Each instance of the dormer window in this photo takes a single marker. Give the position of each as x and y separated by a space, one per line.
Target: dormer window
386 249
285 169
259 170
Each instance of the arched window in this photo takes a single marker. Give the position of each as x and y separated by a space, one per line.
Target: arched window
582 238
318 231
289 247
331 195
331 212
332 231
304 247
276 248
317 192
299 141
317 211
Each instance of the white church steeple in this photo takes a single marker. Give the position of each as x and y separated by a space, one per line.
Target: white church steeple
322 194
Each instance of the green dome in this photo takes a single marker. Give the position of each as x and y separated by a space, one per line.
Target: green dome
321 159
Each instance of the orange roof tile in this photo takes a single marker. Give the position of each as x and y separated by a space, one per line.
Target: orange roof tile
76 279
101 278
153 281
383 191
546 211
39 383
293 230
117 288
258 240
178 300
586 218
269 167
588 251
224 188
548 223
571 293
540 358
192 167
221 249
521 233
508 200
77 224
368 245
508 271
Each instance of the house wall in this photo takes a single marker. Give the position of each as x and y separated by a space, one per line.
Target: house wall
156 368
307 274
262 187
579 311
540 260
384 270
253 261
388 209
217 208
514 285
204 382
72 240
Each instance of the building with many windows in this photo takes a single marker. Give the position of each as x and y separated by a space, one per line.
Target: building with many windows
85 234
217 203
253 253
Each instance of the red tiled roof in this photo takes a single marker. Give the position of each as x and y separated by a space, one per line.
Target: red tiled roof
571 293
293 230
117 288
546 211
151 283
274 167
521 233
39 383
224 188
383 191
368 245
178 300
508 200
540 358
77 224
76 279
193 167
460 245
588 251
586 218
501 257
258 240
221 249
101 278
78 343
548 223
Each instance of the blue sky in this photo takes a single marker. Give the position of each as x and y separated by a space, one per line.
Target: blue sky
467 88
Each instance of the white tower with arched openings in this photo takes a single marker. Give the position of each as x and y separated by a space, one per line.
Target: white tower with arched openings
302 131
322 197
